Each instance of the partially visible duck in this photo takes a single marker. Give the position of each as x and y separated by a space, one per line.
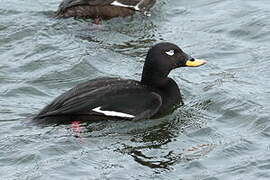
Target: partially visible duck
104 9
115 98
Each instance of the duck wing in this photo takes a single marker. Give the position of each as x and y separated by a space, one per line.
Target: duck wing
107 97
105 9
70 3
140 4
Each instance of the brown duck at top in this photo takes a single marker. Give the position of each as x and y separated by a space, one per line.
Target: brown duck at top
104 9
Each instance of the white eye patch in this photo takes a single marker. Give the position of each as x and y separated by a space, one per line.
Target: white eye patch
170 52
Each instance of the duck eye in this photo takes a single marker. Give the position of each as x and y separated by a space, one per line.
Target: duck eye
170 52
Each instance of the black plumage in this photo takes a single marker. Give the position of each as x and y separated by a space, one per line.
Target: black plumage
105 9
101 98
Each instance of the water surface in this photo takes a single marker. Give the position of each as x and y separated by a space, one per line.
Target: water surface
222 131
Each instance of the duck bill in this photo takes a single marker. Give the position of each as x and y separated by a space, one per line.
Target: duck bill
195 62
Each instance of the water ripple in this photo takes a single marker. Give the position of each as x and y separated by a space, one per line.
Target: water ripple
221 132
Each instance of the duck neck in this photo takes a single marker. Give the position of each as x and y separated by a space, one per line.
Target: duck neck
153 75
164 86
167 88
154 79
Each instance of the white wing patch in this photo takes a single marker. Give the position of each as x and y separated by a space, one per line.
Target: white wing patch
112 113
116 3
170 52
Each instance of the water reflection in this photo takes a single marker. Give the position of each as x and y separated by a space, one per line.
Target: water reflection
155 143
131 37
222 131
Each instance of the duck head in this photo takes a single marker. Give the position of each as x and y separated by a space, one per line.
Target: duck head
164 57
